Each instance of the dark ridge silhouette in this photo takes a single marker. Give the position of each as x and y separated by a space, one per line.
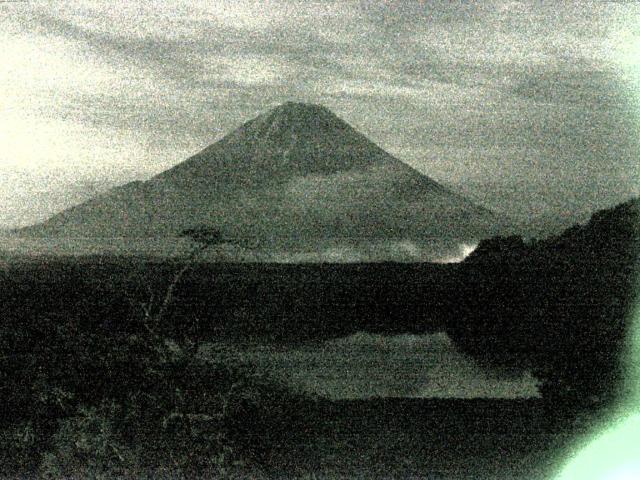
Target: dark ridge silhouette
559 307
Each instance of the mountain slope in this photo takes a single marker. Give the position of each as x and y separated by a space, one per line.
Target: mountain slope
292 176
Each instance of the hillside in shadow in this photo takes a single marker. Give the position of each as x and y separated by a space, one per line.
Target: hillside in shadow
560 307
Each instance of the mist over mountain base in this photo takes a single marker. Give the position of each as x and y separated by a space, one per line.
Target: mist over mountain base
324 251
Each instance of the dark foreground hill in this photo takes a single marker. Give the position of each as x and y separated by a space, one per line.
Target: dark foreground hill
562 307
295 177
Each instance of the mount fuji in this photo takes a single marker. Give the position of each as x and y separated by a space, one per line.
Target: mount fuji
295 178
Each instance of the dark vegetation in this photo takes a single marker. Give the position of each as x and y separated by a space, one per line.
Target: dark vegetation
90 394
98 374
560 307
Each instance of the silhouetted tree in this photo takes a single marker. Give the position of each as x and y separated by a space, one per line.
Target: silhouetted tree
155 310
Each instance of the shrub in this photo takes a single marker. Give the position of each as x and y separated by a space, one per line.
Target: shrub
89 445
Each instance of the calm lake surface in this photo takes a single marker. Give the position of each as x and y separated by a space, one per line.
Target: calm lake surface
364 365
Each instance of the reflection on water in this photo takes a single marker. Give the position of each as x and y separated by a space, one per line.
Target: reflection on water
366 365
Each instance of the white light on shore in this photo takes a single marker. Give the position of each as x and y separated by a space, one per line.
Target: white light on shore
465 250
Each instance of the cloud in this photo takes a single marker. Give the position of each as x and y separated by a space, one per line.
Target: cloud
375 89
557 138
459 90
429 93
200 60
20 187
261 70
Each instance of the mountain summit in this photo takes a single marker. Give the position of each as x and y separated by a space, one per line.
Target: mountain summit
293 139
296 176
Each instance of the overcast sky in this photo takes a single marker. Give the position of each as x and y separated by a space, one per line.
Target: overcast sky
526 107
